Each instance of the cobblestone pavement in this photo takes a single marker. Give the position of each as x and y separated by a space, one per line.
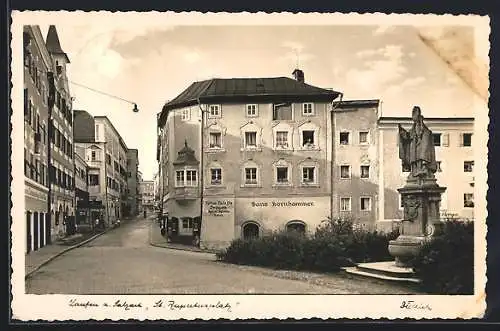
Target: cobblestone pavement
123 262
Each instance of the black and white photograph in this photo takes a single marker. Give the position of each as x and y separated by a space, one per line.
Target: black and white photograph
218 165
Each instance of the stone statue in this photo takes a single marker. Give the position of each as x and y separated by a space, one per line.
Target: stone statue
416 148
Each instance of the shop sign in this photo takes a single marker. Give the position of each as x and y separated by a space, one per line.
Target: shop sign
284 204
219 208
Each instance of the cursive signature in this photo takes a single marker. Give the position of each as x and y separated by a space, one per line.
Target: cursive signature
410 304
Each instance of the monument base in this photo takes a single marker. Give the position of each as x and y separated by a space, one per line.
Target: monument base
405 248
385 271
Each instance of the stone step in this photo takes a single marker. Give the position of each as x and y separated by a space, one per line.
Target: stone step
384 271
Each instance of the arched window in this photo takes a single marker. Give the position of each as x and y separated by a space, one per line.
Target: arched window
250 230
296 227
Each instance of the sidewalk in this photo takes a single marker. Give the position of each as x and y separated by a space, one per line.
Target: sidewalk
157 240
36 259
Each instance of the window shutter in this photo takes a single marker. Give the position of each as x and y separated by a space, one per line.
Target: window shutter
446 139
461 140
26 102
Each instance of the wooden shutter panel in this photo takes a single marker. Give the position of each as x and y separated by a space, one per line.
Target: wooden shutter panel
446 139
461 140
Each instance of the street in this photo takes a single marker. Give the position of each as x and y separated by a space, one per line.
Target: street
123 262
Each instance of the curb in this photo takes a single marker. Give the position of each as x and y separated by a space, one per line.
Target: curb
64 251
177 248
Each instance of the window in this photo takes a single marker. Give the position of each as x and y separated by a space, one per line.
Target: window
307 109
308 138
179 178
191 178
250 175
468 166
215 140
214 111
345 171
216 176
186 114
32 167
185 178
308 174
251 139
467 139
438 166
365 171
344 138
252 110
363 137
250 231
282 139
282 112
365 204
296 227
43 134
187 223
93 156
436 138
282 174
345 204
468 200
26 104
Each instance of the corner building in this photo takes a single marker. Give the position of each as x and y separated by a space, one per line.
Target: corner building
263 158
37 62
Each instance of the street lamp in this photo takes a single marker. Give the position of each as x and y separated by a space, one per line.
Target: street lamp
134 109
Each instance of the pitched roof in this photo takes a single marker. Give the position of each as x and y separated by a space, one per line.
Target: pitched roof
274 89
236 88
53 43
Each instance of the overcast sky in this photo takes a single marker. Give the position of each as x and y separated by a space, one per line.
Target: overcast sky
152 64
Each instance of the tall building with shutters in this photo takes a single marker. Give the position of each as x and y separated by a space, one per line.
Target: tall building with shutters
62 161
243 156
37 63
48 132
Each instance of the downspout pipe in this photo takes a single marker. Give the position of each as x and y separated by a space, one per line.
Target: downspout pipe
202 164
50 131
332 167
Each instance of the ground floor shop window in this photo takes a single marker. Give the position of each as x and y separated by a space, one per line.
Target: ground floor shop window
187 226
250 230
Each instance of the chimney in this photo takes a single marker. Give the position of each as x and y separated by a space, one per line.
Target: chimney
298 75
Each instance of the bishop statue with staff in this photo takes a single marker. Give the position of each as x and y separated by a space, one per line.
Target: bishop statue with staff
416 148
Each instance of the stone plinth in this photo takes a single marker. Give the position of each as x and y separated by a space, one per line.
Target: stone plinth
421 221
386 271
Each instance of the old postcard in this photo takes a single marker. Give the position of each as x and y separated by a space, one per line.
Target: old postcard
248 166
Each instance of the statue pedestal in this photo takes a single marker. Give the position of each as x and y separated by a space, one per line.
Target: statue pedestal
421 200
